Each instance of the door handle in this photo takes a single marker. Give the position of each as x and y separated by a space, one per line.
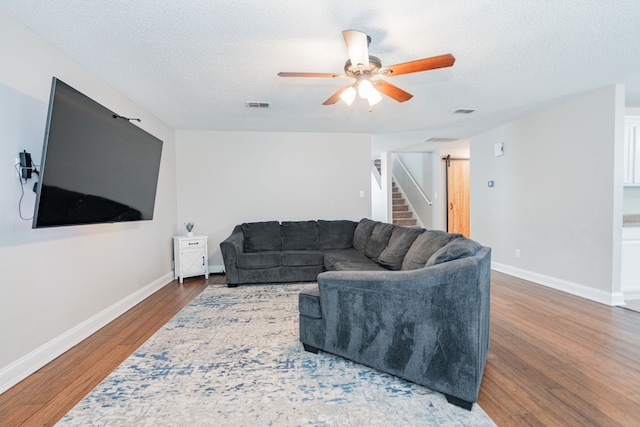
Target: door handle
450 206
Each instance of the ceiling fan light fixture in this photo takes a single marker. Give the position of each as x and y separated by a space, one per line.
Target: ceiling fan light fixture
365 88
348 95
362 67
374 97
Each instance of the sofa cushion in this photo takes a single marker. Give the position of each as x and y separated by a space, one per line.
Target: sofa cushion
425 245
367 265
263 259
262 236
299 235
309 303
350 255
379 240
336 234
362 233
456 249
302 258
401 240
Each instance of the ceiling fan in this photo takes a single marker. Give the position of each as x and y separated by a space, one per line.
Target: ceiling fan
367 71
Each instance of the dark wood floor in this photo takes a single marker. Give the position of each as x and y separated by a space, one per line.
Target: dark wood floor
555 359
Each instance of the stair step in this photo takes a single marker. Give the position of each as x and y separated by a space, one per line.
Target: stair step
405 222
402 214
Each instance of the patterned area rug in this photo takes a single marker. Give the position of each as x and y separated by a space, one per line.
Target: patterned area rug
232 357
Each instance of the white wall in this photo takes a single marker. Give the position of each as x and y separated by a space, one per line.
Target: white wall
381 190
227 178
557 195
60 284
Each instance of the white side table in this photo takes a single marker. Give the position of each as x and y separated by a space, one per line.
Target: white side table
190 257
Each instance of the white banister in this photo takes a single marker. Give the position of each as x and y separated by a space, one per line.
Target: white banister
414 183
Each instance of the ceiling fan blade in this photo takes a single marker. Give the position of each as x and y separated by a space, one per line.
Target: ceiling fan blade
336 96
392 91
358 47
425 64
320 75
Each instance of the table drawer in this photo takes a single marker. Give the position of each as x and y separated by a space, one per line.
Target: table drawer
192 244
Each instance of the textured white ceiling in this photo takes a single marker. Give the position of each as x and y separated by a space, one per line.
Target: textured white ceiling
195 63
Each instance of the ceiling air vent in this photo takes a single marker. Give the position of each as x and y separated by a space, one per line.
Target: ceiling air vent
464 111
255 104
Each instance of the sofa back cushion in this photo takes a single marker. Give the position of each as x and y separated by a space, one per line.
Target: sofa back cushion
362 234
456 249
336 234
379 240
262 236
401 240
425 245
299 235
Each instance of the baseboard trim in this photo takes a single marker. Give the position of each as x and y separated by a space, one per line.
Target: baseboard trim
15 372
216 269
572 288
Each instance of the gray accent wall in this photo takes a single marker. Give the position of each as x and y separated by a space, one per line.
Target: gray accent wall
557 196
227 178
61 284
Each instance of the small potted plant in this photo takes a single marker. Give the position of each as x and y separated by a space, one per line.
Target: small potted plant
189 226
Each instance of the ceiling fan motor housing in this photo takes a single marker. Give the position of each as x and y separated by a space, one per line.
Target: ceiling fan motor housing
355 70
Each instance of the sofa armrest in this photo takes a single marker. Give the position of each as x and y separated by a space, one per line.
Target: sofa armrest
430 326
231 247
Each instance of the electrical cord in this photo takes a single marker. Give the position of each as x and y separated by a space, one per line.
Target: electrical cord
18 171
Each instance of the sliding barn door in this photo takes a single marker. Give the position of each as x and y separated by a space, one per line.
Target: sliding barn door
458 195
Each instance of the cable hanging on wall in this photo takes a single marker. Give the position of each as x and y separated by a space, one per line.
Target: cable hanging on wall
24 170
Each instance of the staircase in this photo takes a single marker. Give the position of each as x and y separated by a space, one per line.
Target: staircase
401 214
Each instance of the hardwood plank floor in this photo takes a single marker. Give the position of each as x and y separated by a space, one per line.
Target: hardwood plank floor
559 360
44 397
554 360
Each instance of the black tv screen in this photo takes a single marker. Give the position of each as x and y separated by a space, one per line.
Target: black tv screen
97 167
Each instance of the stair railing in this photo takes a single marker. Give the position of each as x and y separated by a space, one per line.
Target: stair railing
413 181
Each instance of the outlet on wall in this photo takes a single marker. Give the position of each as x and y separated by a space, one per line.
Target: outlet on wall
517 253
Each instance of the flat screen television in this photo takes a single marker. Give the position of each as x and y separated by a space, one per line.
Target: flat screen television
97 166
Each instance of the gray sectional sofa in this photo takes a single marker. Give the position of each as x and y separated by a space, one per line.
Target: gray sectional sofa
298 251
410 302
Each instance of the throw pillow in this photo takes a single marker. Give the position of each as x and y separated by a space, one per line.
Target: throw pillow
262 236
336 234
401 240
362 234
459 248
379 240
299 235
425 245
